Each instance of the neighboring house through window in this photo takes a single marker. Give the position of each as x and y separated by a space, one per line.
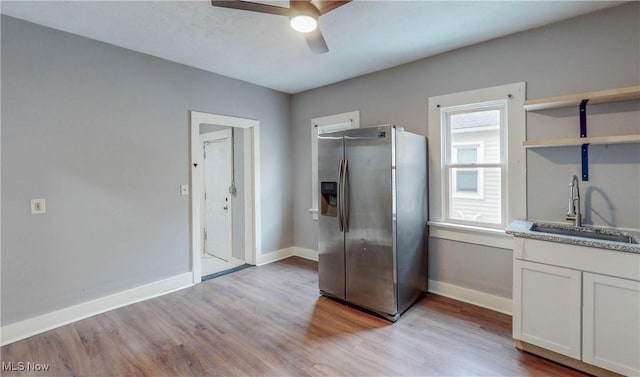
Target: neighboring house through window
319 126
478 163
466 181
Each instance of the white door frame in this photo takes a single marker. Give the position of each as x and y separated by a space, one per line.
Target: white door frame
251 168
214 136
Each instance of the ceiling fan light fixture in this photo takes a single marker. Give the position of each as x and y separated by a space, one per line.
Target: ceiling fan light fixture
303 23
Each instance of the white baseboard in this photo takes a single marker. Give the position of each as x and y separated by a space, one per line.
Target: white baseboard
471 296
45 322
275 256
306 253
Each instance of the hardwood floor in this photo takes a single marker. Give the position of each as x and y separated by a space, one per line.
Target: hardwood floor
270 321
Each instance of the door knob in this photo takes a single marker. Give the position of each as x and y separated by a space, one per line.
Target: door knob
225 208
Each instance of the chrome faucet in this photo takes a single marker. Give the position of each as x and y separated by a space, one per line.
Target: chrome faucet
574 202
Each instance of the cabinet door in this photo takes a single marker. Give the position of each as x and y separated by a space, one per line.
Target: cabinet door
546 307
611 323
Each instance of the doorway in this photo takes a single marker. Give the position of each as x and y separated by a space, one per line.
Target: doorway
227 141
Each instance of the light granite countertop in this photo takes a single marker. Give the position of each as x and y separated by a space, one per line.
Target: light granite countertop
523 229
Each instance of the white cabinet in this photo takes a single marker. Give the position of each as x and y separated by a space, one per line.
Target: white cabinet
580 303
611 323
546 309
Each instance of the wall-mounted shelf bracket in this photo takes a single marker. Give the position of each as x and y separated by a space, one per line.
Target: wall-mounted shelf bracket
585 162
583 118
583 134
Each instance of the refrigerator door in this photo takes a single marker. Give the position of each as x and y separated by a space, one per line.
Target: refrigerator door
331 270
411 217
369 206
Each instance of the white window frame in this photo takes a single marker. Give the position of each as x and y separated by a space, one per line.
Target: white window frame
321 125
514 188
479 146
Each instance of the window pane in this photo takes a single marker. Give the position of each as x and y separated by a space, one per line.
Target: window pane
467 155
467 180
475 195
481 127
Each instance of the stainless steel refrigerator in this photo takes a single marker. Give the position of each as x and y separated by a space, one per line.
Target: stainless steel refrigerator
373 213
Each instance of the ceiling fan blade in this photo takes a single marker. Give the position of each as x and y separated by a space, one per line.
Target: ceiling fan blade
316 42
326 6
254 7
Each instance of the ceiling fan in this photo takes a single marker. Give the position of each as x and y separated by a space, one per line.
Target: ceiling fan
303 16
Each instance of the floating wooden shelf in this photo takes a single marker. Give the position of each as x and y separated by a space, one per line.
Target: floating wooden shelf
581 100
599 96
624 139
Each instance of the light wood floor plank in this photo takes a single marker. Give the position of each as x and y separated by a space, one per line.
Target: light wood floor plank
270 321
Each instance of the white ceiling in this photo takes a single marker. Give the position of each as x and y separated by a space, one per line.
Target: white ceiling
363 36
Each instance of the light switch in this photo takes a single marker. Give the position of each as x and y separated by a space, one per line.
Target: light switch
184 190
38 207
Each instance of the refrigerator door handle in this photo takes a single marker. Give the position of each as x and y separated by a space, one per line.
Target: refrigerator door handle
340 219
345 196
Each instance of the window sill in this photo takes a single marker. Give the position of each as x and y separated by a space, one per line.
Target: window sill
471 234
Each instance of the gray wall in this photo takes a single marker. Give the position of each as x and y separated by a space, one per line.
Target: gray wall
103 134
237 200
611 197
597 51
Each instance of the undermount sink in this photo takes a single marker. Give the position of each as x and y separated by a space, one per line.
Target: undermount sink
592 233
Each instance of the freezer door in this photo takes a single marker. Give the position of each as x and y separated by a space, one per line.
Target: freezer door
369 243
330 237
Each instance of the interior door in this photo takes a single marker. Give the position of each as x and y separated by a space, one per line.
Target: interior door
217 179
330 237
369 244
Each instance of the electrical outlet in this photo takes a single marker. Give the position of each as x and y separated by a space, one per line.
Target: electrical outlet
38 207
184 190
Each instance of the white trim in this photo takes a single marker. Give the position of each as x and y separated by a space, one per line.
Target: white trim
275 256
252 213
329 123
252 218
45 322
306 253
471 296
471 234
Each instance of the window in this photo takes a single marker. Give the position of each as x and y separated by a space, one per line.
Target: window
473 163
477 164
330 123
